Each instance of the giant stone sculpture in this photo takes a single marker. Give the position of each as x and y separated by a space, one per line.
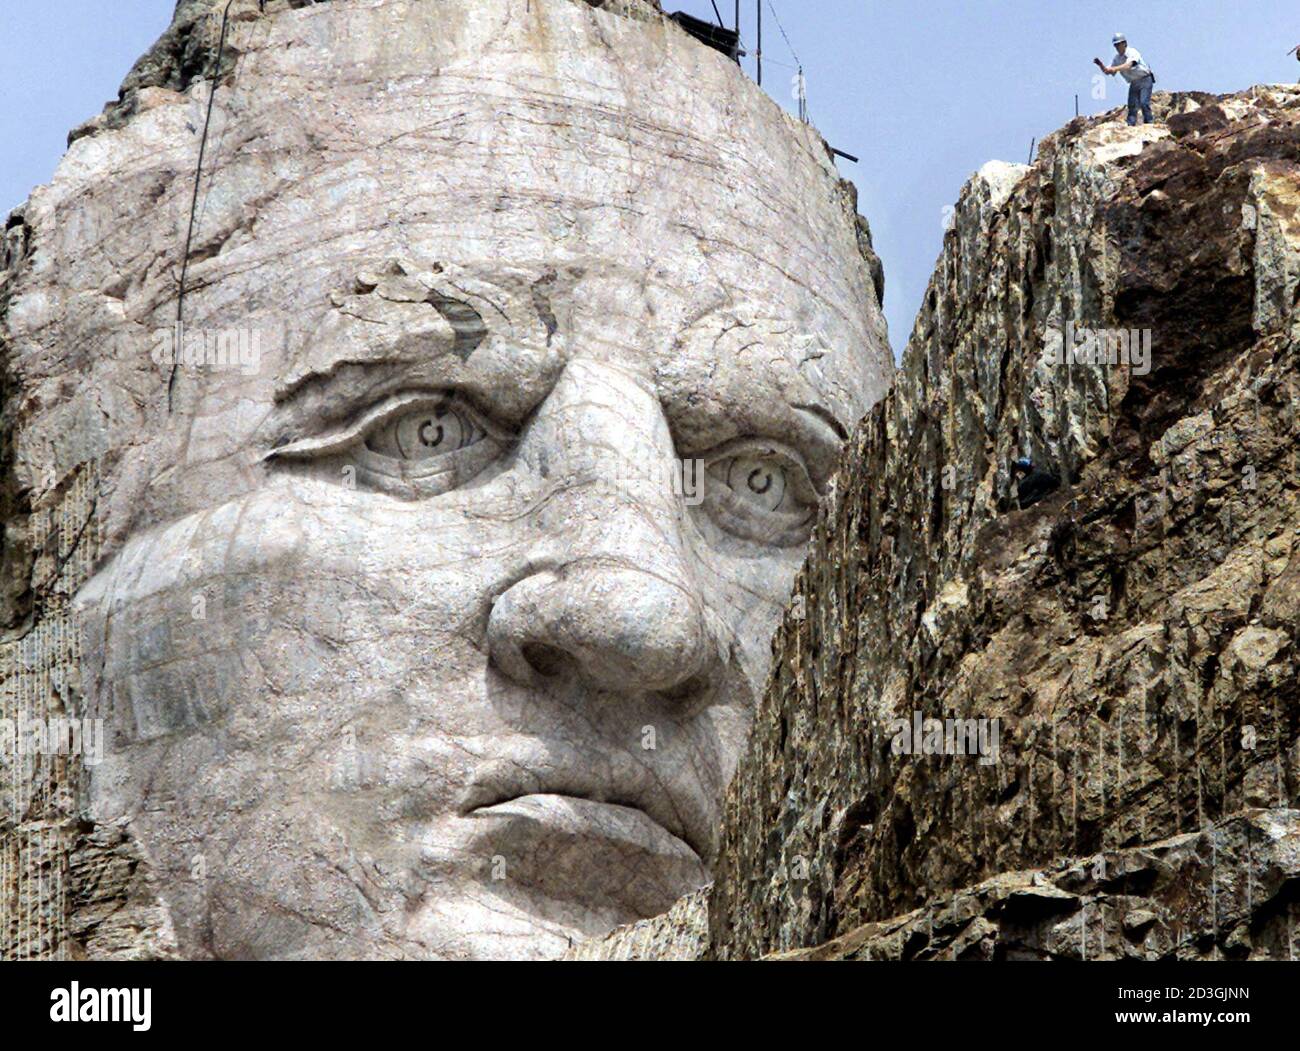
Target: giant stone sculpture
440 551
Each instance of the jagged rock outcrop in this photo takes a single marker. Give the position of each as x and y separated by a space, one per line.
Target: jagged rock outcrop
1126 647
1231 891
680 934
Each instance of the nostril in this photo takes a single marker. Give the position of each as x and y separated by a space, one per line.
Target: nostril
545 660
686 689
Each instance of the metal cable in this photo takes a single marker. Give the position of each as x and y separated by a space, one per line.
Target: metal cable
194 204
783 34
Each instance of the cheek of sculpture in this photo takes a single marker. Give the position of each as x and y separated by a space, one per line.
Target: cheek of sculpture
217 632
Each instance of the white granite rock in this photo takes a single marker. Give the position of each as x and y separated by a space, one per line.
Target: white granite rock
409 638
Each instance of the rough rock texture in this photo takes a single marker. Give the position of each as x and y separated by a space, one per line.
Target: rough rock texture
1230 892
424 598
681 934
116 910
1134 633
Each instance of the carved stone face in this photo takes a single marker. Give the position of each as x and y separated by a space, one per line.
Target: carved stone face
433 628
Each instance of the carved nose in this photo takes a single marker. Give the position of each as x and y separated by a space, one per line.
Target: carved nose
621 627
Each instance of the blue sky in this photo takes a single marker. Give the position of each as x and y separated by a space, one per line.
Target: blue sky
923 91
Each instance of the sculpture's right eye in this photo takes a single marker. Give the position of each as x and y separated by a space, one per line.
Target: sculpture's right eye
413 446
423 434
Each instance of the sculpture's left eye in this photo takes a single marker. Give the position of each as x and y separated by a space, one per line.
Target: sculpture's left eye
756 479
760 490
413 445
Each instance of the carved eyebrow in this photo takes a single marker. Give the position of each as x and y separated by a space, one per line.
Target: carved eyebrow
468 329
326 374
817 433
820 412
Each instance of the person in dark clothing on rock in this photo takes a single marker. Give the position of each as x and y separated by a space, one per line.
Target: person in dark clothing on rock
1032 483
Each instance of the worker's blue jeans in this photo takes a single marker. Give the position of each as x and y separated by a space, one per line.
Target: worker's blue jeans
1139 94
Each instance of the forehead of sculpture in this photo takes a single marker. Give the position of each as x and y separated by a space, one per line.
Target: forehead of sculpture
585 183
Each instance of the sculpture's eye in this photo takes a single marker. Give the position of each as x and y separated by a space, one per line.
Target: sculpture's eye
412 445
761 491
425 433
759 480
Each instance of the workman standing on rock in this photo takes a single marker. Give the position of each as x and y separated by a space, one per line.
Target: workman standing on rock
1128 63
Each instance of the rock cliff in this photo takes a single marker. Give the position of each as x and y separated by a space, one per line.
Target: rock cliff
1222 893
1130 638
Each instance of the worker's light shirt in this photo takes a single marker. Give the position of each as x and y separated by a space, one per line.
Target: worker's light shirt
1137 71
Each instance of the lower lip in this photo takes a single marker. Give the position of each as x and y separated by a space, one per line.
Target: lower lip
582 850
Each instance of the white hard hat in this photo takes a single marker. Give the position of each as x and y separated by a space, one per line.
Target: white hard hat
1119 38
